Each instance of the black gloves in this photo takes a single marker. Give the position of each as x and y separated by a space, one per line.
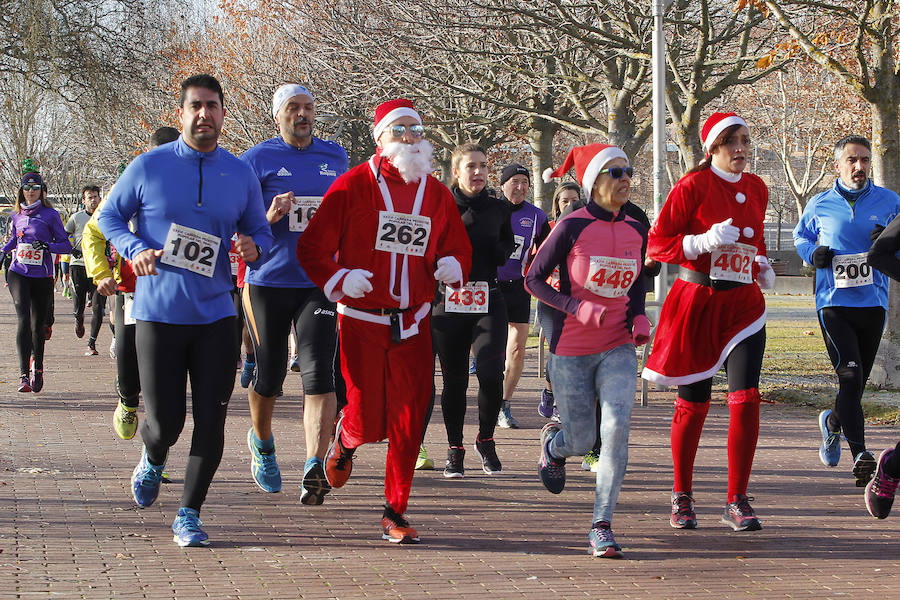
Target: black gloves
822 256
876 231
76 253
40 245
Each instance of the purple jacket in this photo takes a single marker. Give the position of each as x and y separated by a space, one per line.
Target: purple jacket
37 224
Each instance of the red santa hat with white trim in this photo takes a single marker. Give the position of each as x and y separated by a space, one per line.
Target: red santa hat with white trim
716 124
390 111
588 162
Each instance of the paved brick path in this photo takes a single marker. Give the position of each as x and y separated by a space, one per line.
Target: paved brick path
69 529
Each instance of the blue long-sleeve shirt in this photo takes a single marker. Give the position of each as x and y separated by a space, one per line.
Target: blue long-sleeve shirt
282 168
212 192
829 220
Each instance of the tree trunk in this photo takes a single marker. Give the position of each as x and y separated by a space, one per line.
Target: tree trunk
540 139
885 172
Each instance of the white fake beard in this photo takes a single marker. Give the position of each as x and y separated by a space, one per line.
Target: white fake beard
412 160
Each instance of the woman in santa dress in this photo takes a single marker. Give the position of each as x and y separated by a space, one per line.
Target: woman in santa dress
712 227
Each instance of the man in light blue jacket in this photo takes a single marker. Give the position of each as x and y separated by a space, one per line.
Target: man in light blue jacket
834 235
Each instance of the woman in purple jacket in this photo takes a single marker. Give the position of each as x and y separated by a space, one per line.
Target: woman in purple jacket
37 231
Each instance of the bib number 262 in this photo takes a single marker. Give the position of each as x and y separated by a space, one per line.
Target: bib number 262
402 233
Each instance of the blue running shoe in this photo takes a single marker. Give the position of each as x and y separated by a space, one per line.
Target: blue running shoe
264 467
830 450
552 470
547 403
145 481
187 529
472 366
247 372
603 543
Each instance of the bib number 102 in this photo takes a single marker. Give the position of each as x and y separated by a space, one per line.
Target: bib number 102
193 251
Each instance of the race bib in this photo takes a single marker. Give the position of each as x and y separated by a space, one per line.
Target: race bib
517 251
402 233
191 249
28 254
235 260
471 298
553 280
851 270
611 277
302 210
733 262
127 306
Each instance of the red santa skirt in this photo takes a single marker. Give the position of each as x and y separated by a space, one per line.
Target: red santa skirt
698 328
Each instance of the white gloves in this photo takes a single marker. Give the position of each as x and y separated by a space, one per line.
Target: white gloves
448 271
766 277
718 235
356 283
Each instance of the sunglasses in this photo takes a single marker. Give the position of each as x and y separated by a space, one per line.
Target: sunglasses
29 187
617 172
416 131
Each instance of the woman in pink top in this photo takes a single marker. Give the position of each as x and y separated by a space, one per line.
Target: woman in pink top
599 319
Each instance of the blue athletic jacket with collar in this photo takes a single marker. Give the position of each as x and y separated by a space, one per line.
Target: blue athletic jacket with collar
213 192
829 220
281 168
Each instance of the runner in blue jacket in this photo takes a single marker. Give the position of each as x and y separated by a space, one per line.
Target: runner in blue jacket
834 235
186 198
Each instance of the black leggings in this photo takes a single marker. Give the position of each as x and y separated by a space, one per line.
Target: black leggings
453 334
166 355
128 383
269 312
30 295
85 288
852 336
742 367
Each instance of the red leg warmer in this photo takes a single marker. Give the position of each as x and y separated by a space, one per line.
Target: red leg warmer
743 432
687 424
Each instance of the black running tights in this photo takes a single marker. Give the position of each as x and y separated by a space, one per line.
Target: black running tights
167 354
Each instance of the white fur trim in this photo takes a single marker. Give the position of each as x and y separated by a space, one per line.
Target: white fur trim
331 293
596 165
547 175
403 111
721 126
742 335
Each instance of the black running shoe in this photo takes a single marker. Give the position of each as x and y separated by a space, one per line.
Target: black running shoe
864 468
315 486
487 452
454 468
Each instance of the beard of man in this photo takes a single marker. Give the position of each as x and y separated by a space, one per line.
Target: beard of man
412 160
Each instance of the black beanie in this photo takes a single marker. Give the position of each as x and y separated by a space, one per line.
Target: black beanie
514 169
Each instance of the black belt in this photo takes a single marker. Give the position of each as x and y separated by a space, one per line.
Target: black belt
384 312
699 278
392 313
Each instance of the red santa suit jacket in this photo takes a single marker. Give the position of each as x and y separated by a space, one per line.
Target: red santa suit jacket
699 326
357 227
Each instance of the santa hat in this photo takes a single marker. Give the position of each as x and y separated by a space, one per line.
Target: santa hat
716 124
390 111
588 162
285 93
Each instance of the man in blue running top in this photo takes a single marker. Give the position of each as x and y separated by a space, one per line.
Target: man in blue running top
834 235
186 199
295 170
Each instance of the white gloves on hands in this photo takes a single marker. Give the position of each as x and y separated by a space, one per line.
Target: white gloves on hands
766 277
448 271
718 235
356 283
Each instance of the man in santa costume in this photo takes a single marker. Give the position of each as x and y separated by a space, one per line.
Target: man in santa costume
712 227
385 234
